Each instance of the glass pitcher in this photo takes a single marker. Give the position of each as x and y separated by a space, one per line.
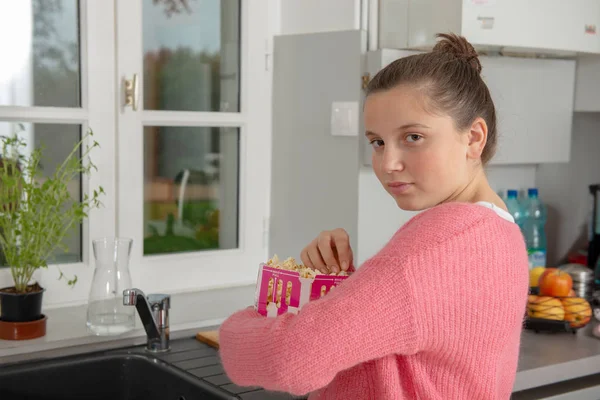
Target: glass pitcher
106 314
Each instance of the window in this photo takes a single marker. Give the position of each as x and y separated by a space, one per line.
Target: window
185 164
191 176
41 40
194 170
57 141
44 88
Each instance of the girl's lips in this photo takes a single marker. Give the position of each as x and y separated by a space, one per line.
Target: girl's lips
399 187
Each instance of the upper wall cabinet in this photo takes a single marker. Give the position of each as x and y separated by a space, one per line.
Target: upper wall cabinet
556 27
587 85
534 105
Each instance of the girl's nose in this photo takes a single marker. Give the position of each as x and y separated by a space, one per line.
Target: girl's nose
392 160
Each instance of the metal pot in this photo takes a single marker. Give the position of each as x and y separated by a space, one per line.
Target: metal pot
583 279
579 272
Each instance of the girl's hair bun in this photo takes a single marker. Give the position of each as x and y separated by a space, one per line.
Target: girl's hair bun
459 48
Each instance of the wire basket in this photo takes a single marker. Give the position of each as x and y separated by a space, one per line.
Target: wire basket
557 314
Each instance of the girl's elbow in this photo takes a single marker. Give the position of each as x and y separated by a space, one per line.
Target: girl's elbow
298 377
297 384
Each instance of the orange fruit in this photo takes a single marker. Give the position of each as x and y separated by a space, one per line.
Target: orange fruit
534 275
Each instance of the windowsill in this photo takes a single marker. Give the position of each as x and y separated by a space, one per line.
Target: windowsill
67 325
60 259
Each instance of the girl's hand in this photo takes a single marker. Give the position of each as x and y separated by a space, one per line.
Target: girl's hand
329 252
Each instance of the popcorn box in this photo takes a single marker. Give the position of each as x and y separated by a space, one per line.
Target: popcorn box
271 299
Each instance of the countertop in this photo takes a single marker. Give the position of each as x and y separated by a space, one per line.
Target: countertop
544 358
547 358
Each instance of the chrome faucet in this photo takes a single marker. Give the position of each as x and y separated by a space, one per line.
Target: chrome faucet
154 313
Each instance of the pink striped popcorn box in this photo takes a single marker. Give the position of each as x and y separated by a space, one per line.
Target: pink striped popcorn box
293 291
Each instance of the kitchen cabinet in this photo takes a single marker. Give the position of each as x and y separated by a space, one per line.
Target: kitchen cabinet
534 26
314 182
587 84
311 16
534 103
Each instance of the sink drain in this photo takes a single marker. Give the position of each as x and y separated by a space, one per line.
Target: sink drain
181 397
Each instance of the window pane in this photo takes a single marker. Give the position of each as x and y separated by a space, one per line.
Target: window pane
40 53
191 189
57 141
191 55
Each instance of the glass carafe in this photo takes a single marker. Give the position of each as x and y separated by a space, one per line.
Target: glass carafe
106 314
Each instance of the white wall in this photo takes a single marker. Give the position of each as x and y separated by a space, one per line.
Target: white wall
564 188
505 177
379 216
310 16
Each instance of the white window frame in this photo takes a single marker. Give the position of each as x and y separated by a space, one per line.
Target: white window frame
96 111
101 110
203 270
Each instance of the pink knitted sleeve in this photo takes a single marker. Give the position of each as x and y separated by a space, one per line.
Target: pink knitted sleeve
369 316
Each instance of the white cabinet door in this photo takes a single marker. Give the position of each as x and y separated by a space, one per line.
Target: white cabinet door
532 25
193 165
534 103
508 25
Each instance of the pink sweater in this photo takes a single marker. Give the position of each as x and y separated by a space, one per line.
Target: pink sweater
436 314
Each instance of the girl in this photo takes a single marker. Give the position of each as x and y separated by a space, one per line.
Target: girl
437 313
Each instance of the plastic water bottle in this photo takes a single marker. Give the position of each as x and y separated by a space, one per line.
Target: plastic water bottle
514 207
534 229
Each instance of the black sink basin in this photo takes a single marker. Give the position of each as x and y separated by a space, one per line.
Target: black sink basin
101 377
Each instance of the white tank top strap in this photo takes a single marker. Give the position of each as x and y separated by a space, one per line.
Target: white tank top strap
501 212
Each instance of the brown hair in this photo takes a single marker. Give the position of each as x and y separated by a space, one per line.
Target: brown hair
450 77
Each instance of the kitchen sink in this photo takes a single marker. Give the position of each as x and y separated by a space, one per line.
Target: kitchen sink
126 376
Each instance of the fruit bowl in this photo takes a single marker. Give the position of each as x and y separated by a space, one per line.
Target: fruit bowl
552 304
557 314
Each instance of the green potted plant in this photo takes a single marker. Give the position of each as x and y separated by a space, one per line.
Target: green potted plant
36 213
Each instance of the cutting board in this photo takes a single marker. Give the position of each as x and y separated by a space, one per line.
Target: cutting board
211 338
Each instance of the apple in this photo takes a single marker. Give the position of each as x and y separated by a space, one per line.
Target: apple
555 282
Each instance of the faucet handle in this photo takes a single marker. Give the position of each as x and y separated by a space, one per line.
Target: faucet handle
159 301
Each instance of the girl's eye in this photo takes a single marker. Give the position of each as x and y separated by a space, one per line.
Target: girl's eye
413 138
376 143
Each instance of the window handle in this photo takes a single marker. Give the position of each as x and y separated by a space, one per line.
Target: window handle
131 92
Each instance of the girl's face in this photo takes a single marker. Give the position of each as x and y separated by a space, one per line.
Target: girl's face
420 158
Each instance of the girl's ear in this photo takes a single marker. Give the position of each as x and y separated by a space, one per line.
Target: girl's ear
477 138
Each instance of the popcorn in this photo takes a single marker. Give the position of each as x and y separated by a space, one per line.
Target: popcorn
302 284
305 272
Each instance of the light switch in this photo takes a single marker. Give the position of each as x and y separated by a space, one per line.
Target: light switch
344 118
